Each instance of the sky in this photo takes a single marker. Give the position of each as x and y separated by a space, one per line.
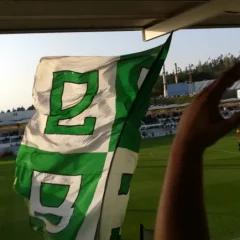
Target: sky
20 53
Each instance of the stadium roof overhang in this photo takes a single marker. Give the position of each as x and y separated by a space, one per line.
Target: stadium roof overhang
154 18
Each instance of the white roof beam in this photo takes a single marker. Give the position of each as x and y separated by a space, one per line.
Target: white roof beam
193 16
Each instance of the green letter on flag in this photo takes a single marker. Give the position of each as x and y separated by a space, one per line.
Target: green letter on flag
80 149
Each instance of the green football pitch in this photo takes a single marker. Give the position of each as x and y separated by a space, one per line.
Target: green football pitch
222 192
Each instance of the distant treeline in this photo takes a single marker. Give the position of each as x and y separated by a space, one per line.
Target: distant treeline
209 69
19 109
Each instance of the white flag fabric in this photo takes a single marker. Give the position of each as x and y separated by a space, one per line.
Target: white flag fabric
80 149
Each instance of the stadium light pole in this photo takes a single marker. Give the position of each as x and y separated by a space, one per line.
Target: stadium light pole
176 72
165 93
190 82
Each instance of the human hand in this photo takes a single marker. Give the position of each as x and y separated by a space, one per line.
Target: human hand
201 124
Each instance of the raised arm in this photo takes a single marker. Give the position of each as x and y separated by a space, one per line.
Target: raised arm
181 213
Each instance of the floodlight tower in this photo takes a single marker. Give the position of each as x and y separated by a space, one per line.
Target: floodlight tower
165 93
190 80
176 72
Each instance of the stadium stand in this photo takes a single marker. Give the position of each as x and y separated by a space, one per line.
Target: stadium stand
199 86
159 121
181 89
164 120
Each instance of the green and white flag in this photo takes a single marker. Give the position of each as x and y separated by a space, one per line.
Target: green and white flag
80 149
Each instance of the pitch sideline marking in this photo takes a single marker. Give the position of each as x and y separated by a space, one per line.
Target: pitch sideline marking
152 155
211 149
158 157
217 150
6 162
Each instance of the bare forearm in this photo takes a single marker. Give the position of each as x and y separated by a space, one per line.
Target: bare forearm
181 214
181 211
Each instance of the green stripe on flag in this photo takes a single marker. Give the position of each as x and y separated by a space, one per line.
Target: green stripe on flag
128 73
136 102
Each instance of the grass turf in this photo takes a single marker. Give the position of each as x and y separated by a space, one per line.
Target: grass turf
222 192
